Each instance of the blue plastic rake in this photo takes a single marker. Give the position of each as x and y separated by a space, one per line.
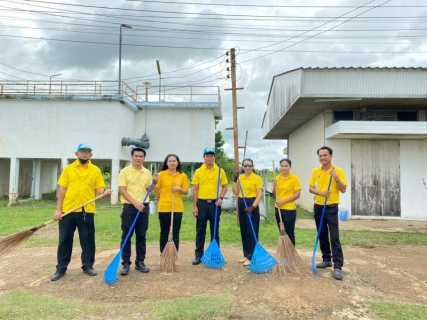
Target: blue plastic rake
212 257
316 244
110 274
261 261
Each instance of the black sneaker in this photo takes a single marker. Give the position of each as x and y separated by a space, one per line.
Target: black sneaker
140 266
57 275
90 271
324 264
125 269
196 261
338 274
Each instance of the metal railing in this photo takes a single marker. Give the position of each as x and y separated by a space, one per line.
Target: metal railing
109 87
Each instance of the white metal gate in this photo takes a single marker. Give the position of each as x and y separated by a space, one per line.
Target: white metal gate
375 176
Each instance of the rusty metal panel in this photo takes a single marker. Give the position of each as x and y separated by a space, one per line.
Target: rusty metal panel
375 172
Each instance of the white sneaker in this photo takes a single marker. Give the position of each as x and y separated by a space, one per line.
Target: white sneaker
242 260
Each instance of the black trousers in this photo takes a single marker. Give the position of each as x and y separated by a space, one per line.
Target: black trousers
288 217
85 224
165 223
329 228
246 233
206 212
128 215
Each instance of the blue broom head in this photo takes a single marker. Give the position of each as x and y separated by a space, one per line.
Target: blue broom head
313 259
212 258
110 274
261 261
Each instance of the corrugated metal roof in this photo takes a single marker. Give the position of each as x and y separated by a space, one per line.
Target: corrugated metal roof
400 86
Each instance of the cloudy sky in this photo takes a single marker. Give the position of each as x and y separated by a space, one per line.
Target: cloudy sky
80 40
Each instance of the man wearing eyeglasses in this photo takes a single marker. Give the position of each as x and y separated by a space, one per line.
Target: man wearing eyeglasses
79 183
205 192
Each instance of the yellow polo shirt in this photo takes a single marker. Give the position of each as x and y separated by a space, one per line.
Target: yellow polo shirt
320 181
81 183
164 184
207 180
136 182
286 188
250 185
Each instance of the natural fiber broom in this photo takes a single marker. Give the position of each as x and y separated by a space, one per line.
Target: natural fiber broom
12 242
289 260
169 257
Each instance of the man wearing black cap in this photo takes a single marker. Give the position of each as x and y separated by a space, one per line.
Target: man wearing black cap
79 183
205 188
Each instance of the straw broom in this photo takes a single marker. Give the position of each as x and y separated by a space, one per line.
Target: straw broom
169 257
12 242
289 260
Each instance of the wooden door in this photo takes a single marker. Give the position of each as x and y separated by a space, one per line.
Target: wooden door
375 176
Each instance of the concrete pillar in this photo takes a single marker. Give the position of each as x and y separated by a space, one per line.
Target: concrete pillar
114 180
329 117
422 115
37 180
13 181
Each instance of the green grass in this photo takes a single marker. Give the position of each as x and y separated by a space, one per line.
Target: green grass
397 311
21 304
195 307
107 222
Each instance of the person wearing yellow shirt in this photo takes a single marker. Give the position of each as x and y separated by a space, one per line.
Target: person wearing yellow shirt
205 192
134 181
288 188
251 184
79 182
318 185
171 181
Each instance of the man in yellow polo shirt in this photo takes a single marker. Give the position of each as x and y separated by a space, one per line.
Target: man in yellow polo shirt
318 185
205 186
134 182
79 182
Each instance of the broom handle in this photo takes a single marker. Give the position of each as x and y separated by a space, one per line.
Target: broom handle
216 201
173 209
68 212
246 205
275 189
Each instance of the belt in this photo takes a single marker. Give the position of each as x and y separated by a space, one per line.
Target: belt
129 204
328 205
207 200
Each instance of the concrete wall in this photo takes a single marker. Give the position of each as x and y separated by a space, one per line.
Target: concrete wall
413 179
302 146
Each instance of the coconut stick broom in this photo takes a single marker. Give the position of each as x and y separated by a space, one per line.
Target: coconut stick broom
289 260
12 242
169 257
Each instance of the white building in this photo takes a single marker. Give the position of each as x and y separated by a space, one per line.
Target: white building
39 132
374 119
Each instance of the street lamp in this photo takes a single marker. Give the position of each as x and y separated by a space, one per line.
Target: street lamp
50 80
160 76
146 83
120 55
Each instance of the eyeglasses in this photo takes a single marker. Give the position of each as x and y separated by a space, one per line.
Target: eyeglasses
84 151
247 166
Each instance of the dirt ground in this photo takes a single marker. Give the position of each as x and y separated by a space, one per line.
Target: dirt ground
390 273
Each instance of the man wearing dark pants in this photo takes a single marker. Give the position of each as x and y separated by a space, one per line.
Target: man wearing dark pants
318 185
134 182
79 183
205 191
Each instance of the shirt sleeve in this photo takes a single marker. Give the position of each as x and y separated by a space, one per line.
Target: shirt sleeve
196 178
99 180
158 184
224 179
297 185
184 184
312 181
122 179
63 179
341 176
258 183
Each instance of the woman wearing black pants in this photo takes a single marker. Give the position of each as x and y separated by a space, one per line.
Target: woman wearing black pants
252 191
288 189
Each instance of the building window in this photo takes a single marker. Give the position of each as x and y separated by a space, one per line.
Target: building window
407 116
343 116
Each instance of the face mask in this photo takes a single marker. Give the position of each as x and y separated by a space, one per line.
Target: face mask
83 161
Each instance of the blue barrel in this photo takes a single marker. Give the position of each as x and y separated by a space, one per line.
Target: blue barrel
343 214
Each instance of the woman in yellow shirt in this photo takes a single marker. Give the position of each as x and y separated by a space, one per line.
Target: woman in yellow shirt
171 180
252 189
288 189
